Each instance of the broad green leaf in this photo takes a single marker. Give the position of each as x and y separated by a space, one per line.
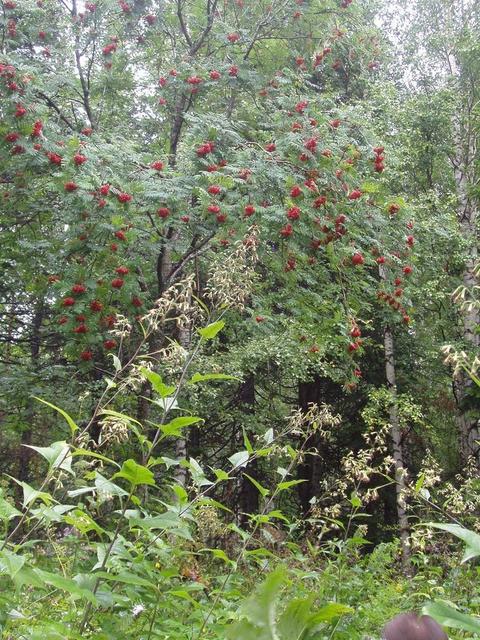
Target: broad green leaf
155 379
105 488
92 454
262 490
7 510
259 610
65 584
125 578
211 330
419 483
175 426
57 455
239 459
221 555
31 495
447 616
204 377
281 486
330 611
295 619
355 500
122 416
221 474
71 423
198 474
83 522
11 563
471 539
268 436
213 503
247 443
135 473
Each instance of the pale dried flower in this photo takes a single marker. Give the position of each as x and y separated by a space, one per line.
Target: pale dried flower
174 305
122 327
231 277
113 430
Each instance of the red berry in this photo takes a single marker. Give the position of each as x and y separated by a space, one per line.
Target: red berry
355 332
96 306
86 355
214 75
381 260
117 283
68 302
357 259
136 302
104 189
295 191
70 186
270 146
319 202
214 189
120 235
249 210
54 158
293 213
79 159
12 137
82 328
355 194
122 271
163 212
407 270
109 344
393 208
124 197
286 231
79 288
157 165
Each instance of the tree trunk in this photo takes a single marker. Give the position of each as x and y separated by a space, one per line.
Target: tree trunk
24 454
184 339
396 436
464 173
248 495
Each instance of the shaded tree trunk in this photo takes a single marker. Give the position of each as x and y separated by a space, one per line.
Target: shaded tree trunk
396 435
467 208
248 494
24 453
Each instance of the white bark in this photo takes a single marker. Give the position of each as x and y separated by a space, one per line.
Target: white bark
463 161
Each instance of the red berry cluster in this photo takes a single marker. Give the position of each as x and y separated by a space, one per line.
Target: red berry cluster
378 161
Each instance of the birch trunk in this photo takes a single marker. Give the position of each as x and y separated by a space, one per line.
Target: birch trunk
397 447
463 160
